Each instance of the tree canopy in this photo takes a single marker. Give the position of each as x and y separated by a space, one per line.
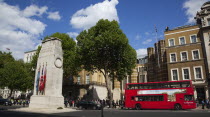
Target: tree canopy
105 48
14 74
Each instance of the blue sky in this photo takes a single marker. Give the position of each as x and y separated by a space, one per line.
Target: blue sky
24 22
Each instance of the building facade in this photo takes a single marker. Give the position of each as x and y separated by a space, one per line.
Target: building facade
184 54
203 21
139 73
86 85
28 56
157 65
185 58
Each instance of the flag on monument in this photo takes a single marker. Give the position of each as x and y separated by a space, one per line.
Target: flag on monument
41 84
37 80
45 75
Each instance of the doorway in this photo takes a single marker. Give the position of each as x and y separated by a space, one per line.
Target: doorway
200 94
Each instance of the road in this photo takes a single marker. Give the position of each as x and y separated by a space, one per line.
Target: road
111 113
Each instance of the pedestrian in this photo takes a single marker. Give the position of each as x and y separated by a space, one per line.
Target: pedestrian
207 103
66 103
24 103
203 104
113 104
104 103
72 103
197 102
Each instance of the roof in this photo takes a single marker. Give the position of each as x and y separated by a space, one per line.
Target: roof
30 51
181 27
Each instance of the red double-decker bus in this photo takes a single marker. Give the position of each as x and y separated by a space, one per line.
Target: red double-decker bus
160 95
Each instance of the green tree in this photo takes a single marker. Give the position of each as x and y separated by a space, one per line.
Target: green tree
15 76
5 57
35 58
105 48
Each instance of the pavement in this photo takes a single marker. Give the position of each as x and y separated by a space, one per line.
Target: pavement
17 108
20 111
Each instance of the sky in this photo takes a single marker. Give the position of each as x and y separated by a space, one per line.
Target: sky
23 23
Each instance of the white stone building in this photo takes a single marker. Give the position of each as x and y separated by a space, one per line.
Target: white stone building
28 56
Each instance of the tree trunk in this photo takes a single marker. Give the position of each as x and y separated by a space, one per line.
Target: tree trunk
108 86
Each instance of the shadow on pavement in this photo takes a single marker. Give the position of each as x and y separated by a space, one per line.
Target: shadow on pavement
28 114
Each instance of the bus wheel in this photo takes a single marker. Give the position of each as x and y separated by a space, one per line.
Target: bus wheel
138 107
177 107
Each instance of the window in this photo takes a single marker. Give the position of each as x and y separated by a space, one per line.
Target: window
149 98
142 77
184 56
195 54
182 41
186 73
171 42
87 79
174 74
173 57
78 79
208 22
193 38
198 72
188 98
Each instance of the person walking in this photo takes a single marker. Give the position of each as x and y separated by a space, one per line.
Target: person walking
203 104
207 103
66 103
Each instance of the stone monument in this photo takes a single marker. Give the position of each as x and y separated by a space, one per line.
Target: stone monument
49 76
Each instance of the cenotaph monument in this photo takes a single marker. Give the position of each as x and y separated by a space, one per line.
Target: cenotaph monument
49 76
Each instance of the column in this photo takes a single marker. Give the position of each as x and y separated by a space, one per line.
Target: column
206 92
195 93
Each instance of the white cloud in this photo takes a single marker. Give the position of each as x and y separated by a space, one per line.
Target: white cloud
73 34
34 10
147 33
147 41
192 6
86 18
17 30
54 15
141 53
138 37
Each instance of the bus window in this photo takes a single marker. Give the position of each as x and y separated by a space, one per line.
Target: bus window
185 84
188 98
176 85
132 98
149 98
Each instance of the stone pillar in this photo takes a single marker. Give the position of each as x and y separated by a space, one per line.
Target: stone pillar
195 93
206 91
134 75
49 76
116 91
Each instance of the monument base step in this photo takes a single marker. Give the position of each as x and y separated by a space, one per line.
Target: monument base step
46 101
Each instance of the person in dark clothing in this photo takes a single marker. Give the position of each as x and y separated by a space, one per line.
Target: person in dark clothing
66 102
203 104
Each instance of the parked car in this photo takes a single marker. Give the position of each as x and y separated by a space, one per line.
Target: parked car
88 105
5 102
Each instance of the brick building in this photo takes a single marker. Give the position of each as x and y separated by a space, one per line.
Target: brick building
185 58
184 54
157 66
